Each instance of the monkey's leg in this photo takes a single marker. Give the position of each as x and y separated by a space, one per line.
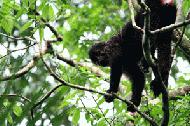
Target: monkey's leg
138 81
164 61
115 75
164 56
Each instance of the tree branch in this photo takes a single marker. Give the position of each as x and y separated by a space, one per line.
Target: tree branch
26 68
22 71
57 35
131 9
184 46
174 95
147 55
63 83
92 68
11 51
171 27
15 95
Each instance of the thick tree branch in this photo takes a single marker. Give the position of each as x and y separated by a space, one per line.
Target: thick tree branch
130 3
174 95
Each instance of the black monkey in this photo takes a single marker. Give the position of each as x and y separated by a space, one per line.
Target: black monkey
123 51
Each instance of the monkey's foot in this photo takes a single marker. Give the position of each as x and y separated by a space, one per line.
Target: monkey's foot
155 87
130 108
136 101
109 98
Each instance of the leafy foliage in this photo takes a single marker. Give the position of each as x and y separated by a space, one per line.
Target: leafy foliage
80 23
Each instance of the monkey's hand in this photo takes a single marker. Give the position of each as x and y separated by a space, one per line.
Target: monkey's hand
144 66
109 98
155 87
130 108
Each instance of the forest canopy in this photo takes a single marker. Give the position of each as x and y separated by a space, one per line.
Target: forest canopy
47 78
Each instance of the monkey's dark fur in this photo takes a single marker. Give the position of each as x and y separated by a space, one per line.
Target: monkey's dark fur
123 51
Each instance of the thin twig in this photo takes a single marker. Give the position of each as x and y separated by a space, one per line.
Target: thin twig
113 120
19 38
92 68
57 35
11 51
87 109
26 68
22 71
46 96
171 27
101 111
15 95
178 43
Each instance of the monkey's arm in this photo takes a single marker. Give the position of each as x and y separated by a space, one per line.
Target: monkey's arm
115 75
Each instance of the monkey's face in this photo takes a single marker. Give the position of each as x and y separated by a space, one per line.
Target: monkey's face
98 55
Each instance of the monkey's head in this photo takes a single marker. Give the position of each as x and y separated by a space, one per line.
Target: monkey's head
98 55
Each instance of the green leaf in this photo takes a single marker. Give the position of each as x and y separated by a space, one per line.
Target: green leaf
17 110
101 122
9 118
101 101
87 117
7 23
76 116
6 103
25 26
48 12
41 32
